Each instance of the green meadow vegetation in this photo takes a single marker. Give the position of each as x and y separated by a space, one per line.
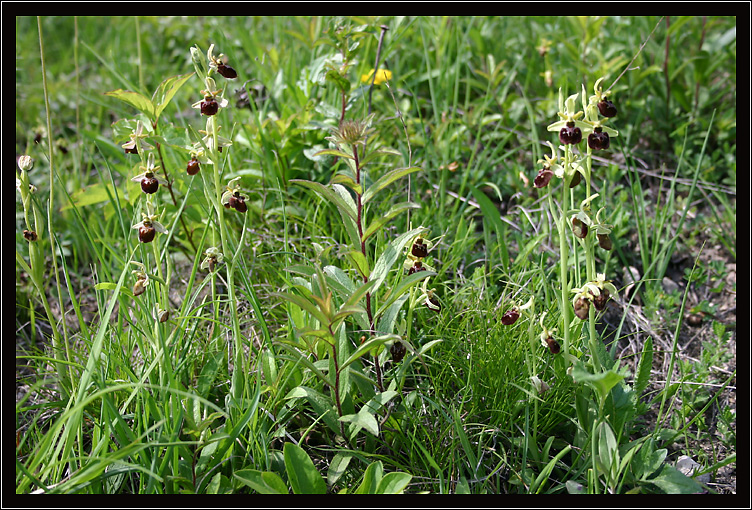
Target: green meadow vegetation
467 255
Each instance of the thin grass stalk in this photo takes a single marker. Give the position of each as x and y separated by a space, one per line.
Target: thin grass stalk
65 378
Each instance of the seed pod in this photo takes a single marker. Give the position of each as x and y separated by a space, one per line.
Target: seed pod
601 299
163 315
604 241
607 108
146 233
581 308
193 167
579 228
553 345
149 184
209 106
398 351
419 249
510 317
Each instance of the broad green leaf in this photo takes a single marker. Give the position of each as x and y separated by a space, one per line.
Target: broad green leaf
166 91
672 481
303 475
393 483
371 478
385 180
348 181
379 152
138 101
608 453
305 304
601 382
360 262
263 482
393 211
94 194
337 467
361 420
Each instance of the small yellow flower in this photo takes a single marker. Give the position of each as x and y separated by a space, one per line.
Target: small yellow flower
381 76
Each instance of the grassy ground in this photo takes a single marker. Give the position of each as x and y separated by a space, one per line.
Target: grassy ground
275 335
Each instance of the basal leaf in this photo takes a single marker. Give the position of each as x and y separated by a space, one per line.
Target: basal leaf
303 476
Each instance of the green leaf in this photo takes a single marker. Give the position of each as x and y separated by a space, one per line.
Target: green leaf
643 369
337 467
303 475
493 216
393 211
362 420
320 403
94 194
393 483
305 304
371 478
263 482
332 152
329 194
385 180
672 481
403 286
166 91
360 262
138 101
367 346
601 382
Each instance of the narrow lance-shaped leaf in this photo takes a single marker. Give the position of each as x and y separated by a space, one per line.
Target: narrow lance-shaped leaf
380 222
386 179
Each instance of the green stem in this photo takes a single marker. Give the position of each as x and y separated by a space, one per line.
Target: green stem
230 267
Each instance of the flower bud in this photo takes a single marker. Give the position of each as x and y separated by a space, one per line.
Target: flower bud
25 163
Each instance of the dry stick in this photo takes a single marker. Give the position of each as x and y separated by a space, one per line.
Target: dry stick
384 28
629 66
